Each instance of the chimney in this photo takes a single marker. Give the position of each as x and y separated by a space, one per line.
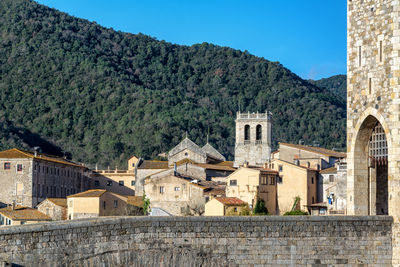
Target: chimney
175 169
13 205
246 164
265 166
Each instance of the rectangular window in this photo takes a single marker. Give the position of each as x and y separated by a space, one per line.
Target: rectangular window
233 183
331 178
133 182
115 204
109 183
312 180
121 183
161 189
96 183
177 188
380 51
7 165
359 56
272 182
104 205
280 168
19 167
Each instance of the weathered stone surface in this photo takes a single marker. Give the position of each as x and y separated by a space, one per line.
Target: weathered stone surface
201 241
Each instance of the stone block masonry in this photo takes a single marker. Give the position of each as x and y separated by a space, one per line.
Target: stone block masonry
202 241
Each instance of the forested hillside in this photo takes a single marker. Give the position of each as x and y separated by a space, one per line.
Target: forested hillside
336 84
69 85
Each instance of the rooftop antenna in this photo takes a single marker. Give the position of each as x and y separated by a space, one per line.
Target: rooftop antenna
208 133
186 134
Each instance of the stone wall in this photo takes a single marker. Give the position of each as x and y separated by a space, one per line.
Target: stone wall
201 241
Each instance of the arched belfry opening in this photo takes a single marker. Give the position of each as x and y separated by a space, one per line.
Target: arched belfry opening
371 169
258 134
247 134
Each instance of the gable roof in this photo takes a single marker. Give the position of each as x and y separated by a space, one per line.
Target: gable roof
186 144
153 164
212 152
62 202
135 201
318 150
21 213
231 201
332 170
22 154
90 193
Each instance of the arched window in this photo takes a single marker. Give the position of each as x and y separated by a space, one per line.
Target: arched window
246 133
258 132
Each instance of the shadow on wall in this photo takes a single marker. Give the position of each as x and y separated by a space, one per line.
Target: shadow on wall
99 181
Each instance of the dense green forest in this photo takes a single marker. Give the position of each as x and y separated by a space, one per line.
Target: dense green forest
336 84
71 86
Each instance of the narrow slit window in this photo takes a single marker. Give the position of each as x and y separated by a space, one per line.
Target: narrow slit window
359 56
380 51
369 85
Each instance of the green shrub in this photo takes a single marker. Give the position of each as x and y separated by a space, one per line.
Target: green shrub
260 208
295 212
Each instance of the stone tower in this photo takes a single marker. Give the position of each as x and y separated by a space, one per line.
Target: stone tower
373 107
253 139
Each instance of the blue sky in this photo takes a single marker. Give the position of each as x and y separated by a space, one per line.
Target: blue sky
306 36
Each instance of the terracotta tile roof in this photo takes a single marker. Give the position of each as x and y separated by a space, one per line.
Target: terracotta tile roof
184 161
135 201
292 164
231 201
265 170
215 191
22 154
318 150
332 170
153 164
90 193
62 202
21 213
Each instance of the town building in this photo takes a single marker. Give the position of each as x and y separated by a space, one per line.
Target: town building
335 187
226 206
251 184
96 203
253 139
17 215
55 208
178 194
28 178
294 181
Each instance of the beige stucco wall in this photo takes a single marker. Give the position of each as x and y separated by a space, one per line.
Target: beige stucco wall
190 196
56 213
103 177
296 181
214 208
83 207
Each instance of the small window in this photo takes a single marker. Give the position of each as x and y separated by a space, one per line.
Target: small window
109 183
312 180
331 178
280 168
312 200
121 183
96 183
183 210
133 182
369 85
115 204
161 189
133 164
359 56
233 183
272 182
177 188
7 165
186 154
19 167
235 209
380 51
280 179
104 205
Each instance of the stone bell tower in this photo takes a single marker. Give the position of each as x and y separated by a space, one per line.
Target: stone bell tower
253 138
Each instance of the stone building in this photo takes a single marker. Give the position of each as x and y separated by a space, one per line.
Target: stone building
334 187
253 138
55 208
373 110
254 183
29 177
178 194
